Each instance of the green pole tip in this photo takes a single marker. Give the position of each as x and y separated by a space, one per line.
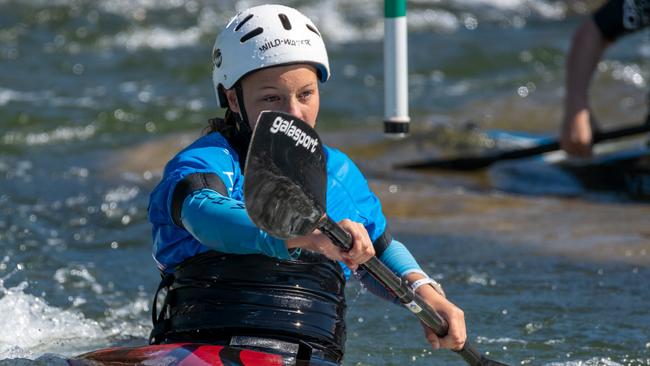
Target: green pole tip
394 8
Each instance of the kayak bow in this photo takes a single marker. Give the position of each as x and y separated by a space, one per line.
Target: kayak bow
186 354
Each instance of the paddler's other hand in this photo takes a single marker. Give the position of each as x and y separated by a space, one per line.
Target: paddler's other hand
457 334
362 248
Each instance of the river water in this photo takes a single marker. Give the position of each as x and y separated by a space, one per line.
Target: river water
95 96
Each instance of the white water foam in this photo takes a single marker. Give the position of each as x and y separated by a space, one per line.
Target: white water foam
630 73
78 276
541 8
45 98
340 21
34 330
156 38
436 19
59 134
594 361
501 340
31 327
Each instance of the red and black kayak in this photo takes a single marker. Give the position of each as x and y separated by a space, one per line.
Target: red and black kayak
187 354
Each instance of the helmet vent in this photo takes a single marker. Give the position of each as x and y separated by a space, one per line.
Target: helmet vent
243 22
311 28
251 34
285 21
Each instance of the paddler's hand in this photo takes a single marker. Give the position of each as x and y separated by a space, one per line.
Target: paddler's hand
577 134
362 248
457 334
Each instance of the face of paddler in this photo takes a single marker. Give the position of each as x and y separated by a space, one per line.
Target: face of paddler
291 89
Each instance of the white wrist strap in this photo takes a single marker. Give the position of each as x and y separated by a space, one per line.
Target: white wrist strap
428 281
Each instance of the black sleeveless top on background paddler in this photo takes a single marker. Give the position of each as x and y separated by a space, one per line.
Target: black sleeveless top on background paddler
619 17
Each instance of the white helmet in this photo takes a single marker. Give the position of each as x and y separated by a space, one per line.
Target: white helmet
264 36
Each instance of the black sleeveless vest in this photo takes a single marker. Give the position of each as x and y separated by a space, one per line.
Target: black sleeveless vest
216 295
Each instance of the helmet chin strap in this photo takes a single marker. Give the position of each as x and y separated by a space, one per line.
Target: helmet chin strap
244 130
244 126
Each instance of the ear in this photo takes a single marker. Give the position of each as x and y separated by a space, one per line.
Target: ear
232 100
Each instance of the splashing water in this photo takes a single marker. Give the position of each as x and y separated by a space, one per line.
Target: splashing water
30 326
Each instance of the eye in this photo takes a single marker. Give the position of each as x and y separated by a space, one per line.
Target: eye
270 98
306 94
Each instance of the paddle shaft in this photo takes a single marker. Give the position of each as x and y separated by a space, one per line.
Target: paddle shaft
407 296
478 162
555 144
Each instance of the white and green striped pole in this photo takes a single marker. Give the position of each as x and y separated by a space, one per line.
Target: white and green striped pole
396 107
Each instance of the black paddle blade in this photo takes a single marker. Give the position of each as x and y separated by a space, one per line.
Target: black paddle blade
285 176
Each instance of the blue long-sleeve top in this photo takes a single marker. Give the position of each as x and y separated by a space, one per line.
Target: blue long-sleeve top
218 220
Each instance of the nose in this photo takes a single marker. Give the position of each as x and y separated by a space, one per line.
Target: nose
292 107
